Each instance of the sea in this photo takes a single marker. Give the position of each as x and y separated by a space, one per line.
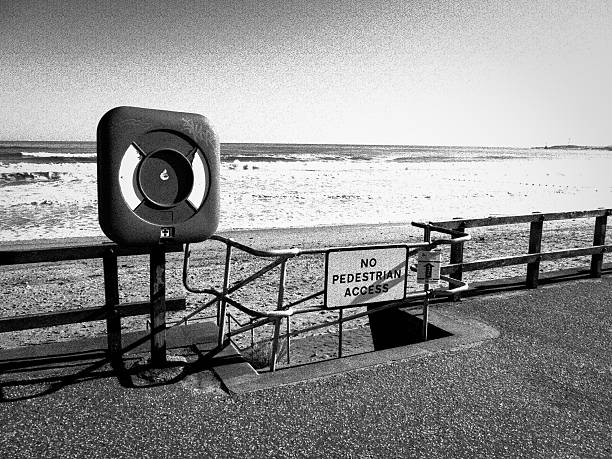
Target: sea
49 190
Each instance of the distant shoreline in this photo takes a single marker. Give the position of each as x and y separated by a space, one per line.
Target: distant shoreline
573 147
34 145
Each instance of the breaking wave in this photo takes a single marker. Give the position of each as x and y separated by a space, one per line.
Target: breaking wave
63 156
18 178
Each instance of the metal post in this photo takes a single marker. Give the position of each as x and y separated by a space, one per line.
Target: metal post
340 322
599 238
426 238
426 234
113 320
425 313
279 305
277 324
288 340
535 246
158 306
222 306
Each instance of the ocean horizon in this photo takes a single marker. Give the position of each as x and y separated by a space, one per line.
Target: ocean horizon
49 187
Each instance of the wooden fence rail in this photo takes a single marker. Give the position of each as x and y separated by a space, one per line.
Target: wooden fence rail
534 255
112 311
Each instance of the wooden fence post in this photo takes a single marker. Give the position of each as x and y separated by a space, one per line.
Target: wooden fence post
535 246
599 238
158 306
111 295
456 256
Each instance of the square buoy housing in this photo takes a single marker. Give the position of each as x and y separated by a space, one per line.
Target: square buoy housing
158 176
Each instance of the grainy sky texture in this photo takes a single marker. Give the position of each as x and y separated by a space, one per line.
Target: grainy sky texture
491 73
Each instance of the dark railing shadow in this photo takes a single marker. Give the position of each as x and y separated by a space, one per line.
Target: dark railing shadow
54 373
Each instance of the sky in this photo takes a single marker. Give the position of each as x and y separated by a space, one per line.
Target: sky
487 73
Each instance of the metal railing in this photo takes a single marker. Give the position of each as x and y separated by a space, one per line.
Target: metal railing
452 273
279 258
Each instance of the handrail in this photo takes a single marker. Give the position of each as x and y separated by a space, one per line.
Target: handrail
451 273
280 257
461 286
293 252
283 255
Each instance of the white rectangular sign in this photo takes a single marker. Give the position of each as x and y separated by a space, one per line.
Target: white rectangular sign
428 267
362 276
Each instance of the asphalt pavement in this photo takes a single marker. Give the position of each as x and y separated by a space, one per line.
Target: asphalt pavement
539 387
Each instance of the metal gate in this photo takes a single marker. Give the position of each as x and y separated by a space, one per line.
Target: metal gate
275 315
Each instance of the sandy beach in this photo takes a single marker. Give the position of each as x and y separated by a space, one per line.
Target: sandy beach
45 287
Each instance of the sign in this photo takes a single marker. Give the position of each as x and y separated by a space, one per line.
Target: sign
365 276
428 267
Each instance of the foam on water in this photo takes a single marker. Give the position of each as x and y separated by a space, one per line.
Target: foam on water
66 156
305 185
